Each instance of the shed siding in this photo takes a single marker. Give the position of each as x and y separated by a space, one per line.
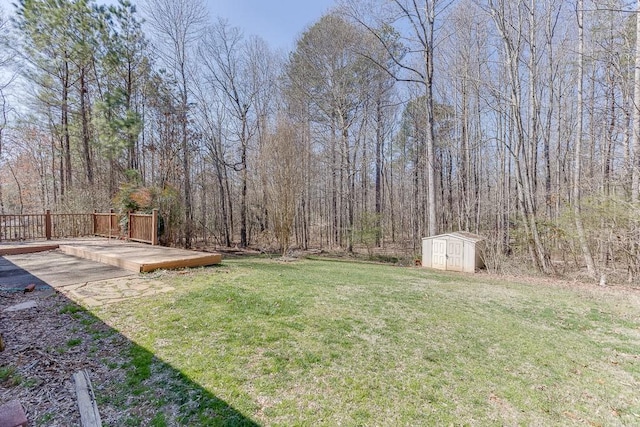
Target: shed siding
471 247
427 251
455 254
469 257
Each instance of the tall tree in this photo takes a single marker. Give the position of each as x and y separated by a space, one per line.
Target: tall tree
232 68
124 69
415 21
504 13
327 70
48 48
4 60
577 149
212 118
381 98
284 182
178 25
635 151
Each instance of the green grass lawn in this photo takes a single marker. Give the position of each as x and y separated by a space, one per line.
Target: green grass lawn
339 343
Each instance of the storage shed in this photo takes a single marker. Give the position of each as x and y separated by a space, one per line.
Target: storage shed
459 251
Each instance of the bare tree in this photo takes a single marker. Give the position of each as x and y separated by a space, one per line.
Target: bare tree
178 24
326 70
577 164
232 67
504 13
3 124
415 22
635 149
284 179
635 154
212 117
4 108
464 58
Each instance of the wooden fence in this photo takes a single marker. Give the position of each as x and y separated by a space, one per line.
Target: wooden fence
106 224
142 227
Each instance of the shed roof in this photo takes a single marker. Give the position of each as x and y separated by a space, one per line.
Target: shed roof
464 235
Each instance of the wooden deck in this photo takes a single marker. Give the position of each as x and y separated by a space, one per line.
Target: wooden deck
135 257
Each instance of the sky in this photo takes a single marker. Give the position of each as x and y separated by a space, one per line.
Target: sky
279 22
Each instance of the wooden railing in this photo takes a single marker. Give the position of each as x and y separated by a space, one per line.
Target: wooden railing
69 225
22 227
142 227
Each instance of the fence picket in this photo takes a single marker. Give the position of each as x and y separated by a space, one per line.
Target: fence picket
142 227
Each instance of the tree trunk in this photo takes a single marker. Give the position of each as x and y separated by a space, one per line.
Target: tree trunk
244 178
350 183
532 155
3 123
582 238
430 151
65 170
334 187
635 152
378 171
524 187
186 169
221 177
86 135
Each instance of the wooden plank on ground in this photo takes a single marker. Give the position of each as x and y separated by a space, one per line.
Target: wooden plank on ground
89 415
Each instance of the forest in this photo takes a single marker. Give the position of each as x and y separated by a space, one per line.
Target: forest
387 122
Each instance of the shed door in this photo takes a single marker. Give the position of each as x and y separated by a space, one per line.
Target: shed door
439 255
455 251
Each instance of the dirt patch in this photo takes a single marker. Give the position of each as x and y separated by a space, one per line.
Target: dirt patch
630 291
45 346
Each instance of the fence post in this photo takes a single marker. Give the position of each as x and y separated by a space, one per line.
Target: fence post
47 224
154 228
129 231
95 219
110 223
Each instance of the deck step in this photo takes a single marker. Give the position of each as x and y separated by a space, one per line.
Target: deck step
26 249
90 253
142 259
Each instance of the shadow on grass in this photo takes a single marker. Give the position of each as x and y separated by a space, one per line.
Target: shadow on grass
132 386
197 406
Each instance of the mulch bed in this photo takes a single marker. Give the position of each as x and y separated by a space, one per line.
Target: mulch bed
45 346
